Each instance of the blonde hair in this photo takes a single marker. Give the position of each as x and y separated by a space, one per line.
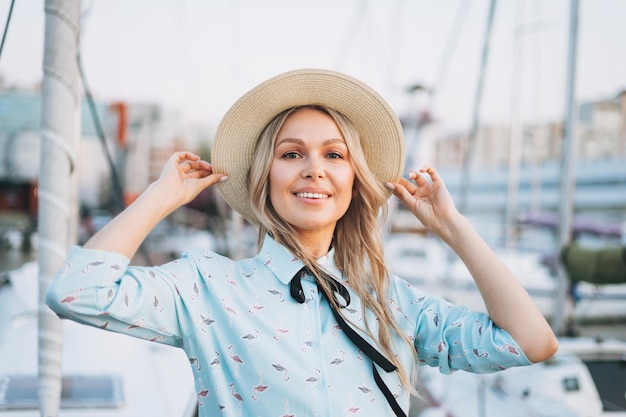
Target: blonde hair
358 239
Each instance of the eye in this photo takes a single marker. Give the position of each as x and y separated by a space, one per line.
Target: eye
290 155
334 155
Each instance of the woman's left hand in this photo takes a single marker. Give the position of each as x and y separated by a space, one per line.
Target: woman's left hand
426 195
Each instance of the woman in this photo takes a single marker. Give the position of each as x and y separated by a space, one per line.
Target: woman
314 324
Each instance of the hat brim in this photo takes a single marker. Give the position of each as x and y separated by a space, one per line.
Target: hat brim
381 134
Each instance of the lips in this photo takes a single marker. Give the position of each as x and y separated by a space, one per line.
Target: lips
316 196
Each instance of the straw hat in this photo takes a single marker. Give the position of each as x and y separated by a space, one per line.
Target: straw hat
381 134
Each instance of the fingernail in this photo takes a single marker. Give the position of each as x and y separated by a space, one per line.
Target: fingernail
390 186
412 174
224 178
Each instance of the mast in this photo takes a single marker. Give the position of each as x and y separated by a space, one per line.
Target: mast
568 161
516 138
57 222
467 161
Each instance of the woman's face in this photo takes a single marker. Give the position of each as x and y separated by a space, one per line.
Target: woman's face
311 176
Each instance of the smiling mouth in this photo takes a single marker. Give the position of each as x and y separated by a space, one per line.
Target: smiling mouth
312 195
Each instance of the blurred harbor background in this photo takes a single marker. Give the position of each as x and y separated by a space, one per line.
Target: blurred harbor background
481 90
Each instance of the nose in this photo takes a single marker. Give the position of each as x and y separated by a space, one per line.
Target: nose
313 168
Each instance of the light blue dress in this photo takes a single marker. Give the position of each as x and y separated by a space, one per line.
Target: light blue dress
254 350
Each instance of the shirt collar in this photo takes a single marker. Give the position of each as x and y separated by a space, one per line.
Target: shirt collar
284 264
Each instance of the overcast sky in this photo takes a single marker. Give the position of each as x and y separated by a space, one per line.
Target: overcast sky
199 56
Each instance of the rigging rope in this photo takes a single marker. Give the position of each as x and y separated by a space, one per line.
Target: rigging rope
118 190
6 26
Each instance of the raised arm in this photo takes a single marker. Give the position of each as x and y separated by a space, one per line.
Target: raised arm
507 302
182 178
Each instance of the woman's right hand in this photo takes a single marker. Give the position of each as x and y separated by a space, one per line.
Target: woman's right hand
184 176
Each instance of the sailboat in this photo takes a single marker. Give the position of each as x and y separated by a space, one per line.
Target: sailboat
103 373
586 378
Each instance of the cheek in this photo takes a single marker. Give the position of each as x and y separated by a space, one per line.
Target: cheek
352 182
274 184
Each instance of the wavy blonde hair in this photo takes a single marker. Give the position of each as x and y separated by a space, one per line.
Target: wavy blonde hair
358 238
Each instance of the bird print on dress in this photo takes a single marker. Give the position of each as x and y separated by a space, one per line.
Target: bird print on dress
69 299
110 295
308 343
231 312
338 361
232 283
508 348
479 325
126 297
202 394
215 363
196 290
280 368
250 274
235 358
260 387
277 293
435 315
365 389
440 346
280 330
480 354
250 337
196 362
236 396
155 304
91 264
205 322
354 312
314 380
256 307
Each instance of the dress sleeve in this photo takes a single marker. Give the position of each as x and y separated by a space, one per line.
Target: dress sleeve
453 338
101 289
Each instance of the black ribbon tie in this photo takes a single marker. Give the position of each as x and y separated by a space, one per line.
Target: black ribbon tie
295 288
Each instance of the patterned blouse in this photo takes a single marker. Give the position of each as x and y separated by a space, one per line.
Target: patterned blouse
253 349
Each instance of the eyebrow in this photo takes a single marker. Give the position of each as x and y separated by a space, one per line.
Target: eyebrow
301 142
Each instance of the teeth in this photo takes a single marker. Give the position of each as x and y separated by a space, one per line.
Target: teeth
311 195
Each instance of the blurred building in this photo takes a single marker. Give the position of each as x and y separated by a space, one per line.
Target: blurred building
602 127
600 169
601 131
139 138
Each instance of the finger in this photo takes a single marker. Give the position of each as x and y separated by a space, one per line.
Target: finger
199 170
212 179
410 186
201 165
430 173
190 155
183 156
421 177
402 190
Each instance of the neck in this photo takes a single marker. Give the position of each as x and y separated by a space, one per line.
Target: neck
317 243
